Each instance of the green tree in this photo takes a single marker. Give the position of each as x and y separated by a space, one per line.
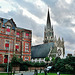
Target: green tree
15 61
47 59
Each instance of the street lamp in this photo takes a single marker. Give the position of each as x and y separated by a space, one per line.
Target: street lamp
8 62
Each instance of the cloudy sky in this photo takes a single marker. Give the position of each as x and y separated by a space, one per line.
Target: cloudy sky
32 14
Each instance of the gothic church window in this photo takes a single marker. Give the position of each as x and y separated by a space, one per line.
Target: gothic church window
59 52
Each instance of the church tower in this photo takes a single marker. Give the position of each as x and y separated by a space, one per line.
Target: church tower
48 32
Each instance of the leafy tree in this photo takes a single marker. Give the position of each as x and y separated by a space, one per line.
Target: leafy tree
36 64
42 64
66 65
15 61
47 59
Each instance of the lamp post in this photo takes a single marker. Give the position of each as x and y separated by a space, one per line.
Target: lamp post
8 62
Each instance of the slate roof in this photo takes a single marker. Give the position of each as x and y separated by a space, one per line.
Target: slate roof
41 51
11 21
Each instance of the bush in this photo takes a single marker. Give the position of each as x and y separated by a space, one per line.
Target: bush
2 65
23 67
66 65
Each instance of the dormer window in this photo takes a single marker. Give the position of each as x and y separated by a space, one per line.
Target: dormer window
8 30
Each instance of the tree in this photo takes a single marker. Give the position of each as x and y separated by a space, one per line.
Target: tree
15 61
47 59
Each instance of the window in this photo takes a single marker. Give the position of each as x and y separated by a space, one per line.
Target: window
5 58
26 47
1 58
27 35
17 34
17 47
26 58
7 44
23 34
8 30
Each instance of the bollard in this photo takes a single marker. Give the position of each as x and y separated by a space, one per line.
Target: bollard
45 72
40 70
58 73
36 72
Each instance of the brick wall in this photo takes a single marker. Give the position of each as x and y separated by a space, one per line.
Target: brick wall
13 40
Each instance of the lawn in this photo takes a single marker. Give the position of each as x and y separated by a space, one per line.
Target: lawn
4 74
52 74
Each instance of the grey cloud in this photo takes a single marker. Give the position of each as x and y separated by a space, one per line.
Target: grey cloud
66 33
31 8
25 22
59 12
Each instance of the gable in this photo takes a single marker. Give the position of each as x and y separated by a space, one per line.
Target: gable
8 22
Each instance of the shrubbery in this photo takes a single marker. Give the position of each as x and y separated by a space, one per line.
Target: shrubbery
25 64
66 65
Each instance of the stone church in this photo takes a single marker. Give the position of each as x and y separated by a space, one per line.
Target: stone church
51 47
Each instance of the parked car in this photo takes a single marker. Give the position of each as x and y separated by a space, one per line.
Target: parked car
48 68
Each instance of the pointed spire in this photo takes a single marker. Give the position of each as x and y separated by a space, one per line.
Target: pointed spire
59 39
48 20
55 38
62 39
52 27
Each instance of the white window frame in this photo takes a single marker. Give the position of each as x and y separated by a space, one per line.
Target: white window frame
26 46
6 41
9 28
17 35
26 58
18 45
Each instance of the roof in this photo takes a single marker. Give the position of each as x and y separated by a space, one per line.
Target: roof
41 51
24 29
48 20
6 20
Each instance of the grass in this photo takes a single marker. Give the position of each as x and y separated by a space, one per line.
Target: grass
4 74
52 74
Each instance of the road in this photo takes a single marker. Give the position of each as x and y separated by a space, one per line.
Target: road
26 73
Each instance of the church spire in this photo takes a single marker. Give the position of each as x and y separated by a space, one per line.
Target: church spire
48 20
48 34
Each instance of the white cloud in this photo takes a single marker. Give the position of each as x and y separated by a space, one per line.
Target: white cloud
61 12
69 48
6 6
73 29
35 18
69 1
37 40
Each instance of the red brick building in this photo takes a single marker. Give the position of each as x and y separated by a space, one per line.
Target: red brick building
14 40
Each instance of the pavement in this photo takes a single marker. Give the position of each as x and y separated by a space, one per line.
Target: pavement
26 73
